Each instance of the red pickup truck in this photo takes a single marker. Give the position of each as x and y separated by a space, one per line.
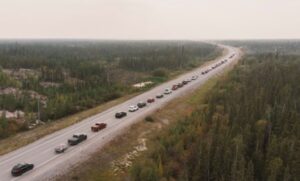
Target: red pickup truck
98 126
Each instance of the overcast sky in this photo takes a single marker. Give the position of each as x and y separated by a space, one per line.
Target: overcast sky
150 19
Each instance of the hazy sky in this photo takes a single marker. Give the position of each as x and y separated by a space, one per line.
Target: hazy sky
150 19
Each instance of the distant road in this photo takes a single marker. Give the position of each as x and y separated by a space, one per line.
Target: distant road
48 164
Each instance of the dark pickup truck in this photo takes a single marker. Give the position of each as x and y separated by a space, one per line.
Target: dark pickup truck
76 139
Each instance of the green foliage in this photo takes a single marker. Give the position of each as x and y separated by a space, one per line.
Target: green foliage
248 131
87 73
160 72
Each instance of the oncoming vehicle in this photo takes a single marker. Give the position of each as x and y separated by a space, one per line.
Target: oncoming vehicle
98 126
21 168
133 108
61 148
76 139
120 115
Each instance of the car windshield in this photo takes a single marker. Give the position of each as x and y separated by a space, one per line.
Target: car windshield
18 166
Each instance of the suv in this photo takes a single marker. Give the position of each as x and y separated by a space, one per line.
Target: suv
133 108
195 77
98 126
184 82
159 96
167 91
21 168
151 100
141 104
120 114
77 138
61 148
179 85
174 87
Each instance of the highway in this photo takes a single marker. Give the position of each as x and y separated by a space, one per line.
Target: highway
48 164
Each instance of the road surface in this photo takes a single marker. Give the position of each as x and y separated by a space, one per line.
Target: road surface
48 164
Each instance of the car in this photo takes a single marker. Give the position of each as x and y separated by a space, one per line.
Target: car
76 139
195 77
184 82
167 91
179 85
159 96
98 126
133 108
120 115
174 87
141 104
151 100
61 148
21 168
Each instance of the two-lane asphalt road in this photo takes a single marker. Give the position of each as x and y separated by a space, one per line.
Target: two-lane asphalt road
48 164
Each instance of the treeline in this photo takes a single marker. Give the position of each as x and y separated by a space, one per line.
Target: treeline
127 54
248 129
288 47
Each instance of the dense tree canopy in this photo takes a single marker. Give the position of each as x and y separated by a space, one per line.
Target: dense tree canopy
247 130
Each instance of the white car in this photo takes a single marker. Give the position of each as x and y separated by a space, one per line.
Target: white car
133 108
61 148
188 80
195 77
167 91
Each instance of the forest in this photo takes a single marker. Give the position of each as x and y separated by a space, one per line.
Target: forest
248 129
287 47
62 77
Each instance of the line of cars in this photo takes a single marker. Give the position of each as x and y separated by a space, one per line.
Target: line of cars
215 66
167 91
21 168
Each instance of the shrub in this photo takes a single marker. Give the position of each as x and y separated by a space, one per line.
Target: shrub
149 119
160 72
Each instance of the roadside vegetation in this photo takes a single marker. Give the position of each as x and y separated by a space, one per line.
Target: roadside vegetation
60 78
246 129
